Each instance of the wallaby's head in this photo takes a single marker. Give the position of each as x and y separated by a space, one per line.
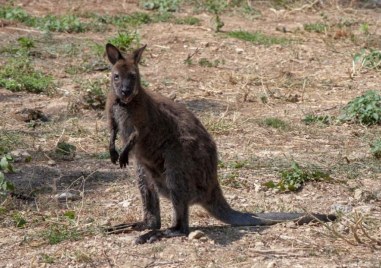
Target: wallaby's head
125 78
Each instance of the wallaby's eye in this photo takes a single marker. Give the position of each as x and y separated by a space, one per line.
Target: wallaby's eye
116 77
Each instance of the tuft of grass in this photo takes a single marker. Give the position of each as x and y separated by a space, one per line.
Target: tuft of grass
375 148
310 119
274 123
66 149
124 21
95 97
125 40
365 109
369 59
294 178
19 75
9 141
204 62
259 38
163 6
19 220
58 233
45 258
315 27
189 20
218 126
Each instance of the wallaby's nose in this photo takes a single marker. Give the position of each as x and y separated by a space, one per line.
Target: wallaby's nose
125 91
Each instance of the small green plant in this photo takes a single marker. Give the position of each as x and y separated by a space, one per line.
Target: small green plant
204 62
124 21
26 42
274 123
58 233
294 178
369 59
125 40
19 220
315 27
188 20
258 38
66 23
66 149
375 148
365 109
162 5
364 28
216 7
13 13
231 179
45 258
310 119
18 74
95 96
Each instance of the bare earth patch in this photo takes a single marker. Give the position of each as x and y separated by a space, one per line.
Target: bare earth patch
245 83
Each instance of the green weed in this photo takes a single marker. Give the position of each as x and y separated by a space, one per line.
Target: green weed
65 149
5 167
315 27
45 258
369 59
125 40
19 75
124 21
204 62
274 123
187 20
95 96
8 141
58 233
375 148
19 220
294 178
162 5
310 119
258 38
365 109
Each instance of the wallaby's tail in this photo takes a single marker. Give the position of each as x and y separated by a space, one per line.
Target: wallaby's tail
218 207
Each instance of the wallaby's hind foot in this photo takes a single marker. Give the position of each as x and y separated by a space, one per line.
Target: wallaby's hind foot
156 235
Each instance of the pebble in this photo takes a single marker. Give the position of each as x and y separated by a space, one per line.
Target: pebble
196 235
62 197
20 155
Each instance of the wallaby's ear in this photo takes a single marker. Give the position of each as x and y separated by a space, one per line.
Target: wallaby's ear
113 53
138 54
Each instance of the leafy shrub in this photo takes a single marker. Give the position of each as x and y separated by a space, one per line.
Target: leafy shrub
294 178
162 5
5 166
19 75
365 109
274 123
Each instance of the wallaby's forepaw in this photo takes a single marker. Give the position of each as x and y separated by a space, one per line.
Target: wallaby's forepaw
123 159
114 156
156 235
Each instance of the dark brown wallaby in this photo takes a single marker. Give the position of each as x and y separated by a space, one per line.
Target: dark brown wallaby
175 156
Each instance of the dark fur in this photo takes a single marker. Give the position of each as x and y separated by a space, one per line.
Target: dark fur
176 156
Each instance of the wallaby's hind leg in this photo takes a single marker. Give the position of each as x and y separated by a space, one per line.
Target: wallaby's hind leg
151 207
180 217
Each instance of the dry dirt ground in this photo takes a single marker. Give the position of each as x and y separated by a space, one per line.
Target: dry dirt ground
312 74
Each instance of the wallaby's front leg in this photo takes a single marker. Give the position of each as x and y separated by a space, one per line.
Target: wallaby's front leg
113 132
123 158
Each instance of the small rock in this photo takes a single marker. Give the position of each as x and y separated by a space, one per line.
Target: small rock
20 155
172 95
290 224
67 196
51 162
239 50
358 194
271 264
125 203
259 244
257 187
196 235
